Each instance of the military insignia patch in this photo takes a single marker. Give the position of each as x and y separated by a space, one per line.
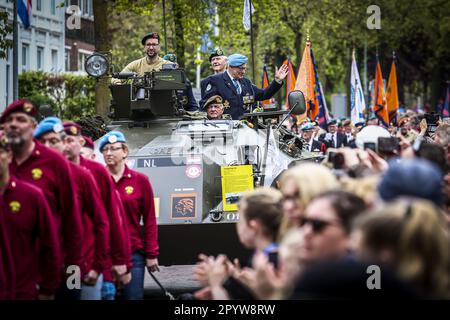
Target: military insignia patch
27 107
112 139
219 52
129 189
36 173
226 104
14 206
73 130
208 87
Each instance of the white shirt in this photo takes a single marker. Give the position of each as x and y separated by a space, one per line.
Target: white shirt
238 82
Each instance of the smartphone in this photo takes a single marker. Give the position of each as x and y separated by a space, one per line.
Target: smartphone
387 145
370 145
432 122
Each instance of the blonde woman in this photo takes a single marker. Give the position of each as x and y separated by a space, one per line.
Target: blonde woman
299 185
410 237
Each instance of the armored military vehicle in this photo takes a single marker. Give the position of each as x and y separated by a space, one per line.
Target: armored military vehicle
198 168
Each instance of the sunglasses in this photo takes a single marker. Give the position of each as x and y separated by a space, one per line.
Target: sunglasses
316 224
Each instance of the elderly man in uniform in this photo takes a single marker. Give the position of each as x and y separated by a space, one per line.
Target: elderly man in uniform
218 61
186 96
236 90
50 172
214 109
307 134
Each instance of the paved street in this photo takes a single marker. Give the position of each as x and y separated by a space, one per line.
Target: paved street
176 279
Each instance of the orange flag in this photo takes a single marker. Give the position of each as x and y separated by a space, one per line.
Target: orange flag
379 98
392 94
290 80
265 84
306 84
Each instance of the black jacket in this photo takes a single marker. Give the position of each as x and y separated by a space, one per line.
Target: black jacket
236 104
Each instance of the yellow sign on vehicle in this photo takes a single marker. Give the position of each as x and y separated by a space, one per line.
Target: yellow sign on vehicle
235 181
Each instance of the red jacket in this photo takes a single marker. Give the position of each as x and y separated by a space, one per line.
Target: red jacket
95 221
7 271
50 172
120 251
136 194
33 239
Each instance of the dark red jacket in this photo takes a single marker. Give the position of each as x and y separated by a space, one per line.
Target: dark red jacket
33 240
95 221
7 271
120 250
136 194
50 172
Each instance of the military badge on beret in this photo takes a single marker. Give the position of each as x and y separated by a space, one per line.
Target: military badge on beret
27 107
14 206
73 130
112 139
36 173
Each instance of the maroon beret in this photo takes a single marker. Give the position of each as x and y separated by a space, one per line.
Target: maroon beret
72 129
89 143
21 105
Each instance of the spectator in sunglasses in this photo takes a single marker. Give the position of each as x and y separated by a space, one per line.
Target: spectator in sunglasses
326 226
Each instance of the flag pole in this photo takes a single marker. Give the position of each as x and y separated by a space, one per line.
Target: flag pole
251 42
15 53
164 22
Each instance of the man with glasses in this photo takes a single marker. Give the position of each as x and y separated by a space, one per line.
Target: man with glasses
238 92
152 61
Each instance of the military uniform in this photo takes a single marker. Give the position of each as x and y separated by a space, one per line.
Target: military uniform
50 172
236 104
141 66
34 240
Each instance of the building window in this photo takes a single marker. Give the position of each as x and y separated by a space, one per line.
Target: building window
25 57
40 58
67 59
54 60
53 8
38 5
81 59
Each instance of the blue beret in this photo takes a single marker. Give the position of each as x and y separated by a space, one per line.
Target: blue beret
412 178
111 137
236 60
50 124
307 126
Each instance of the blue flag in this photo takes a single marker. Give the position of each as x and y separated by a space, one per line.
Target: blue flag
24 12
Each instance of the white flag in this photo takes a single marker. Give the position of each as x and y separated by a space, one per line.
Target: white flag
246 16
357 103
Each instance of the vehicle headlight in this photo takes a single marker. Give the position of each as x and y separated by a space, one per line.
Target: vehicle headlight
96 65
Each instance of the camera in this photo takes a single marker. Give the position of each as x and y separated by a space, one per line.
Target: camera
387 145
370 145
